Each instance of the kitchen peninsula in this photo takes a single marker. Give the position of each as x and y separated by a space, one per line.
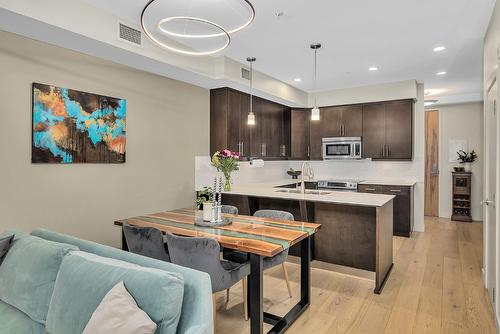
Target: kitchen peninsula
356 229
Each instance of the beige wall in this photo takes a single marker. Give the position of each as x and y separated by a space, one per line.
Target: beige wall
167 126
460 121
382 92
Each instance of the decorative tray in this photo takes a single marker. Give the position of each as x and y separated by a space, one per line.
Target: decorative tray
225 221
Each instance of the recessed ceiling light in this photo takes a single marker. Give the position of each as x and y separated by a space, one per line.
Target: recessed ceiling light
441 73
297 79
439 48
373 68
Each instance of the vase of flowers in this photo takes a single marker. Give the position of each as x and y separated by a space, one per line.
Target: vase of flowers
467 158
226 161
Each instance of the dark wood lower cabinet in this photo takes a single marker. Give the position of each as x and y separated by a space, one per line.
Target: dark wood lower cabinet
347 235
403 205
354 236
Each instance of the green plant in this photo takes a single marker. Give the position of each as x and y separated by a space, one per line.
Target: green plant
466 157
202 196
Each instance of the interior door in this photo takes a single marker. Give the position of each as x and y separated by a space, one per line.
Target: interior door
490 184
432 163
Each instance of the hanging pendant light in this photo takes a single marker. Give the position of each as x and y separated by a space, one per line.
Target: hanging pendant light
251 115
315 110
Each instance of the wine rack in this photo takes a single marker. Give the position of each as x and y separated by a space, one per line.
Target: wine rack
461 199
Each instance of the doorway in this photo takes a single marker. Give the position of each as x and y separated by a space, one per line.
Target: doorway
431 207
490 190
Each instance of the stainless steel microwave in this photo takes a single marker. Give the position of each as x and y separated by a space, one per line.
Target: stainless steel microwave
341 148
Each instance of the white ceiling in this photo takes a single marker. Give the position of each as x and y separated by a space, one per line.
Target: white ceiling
397 36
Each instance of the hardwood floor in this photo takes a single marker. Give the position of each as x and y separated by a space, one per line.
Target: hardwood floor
435 287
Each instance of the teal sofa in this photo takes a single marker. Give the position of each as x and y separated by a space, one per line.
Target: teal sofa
51 283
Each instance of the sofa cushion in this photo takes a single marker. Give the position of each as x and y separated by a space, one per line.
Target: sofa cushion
28 273
5 245
14 321
118 312
196 315
87 278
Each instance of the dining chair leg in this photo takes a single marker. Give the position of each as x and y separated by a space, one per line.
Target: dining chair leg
245 297
285 272
214 304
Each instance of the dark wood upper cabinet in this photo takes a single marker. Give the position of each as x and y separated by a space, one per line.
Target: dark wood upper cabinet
300 121
399 130
331 122
374 130
342 121
352 121
388 130
281 133
228 121
315 136
271 133
268 138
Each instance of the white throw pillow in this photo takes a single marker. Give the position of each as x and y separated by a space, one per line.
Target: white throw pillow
118 313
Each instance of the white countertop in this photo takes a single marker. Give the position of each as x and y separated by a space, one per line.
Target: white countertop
268 189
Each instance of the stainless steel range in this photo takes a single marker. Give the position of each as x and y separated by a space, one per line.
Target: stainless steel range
349 185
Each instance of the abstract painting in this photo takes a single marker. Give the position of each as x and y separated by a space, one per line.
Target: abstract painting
70 126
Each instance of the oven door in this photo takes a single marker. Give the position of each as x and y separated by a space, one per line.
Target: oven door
338 150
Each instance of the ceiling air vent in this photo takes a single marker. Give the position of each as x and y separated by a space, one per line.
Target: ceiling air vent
245 73
129 34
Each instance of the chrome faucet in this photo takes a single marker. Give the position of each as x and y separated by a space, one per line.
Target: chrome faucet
306 169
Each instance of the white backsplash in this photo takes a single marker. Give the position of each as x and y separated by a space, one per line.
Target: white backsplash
350 169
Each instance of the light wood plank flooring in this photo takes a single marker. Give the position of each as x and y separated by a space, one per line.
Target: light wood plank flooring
435 287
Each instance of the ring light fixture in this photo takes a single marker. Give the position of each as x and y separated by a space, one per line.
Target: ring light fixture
243 26
222 31
187 18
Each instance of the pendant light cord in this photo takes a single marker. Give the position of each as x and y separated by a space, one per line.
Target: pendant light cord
251 87
315 76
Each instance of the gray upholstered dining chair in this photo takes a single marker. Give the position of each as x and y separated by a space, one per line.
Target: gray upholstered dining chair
268 262
203 254
232 210
146 241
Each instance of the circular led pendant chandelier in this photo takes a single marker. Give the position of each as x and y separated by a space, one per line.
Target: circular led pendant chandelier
195 27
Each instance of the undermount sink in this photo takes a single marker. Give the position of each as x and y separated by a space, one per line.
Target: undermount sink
308 192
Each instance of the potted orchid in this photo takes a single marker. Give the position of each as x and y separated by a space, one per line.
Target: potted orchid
226 161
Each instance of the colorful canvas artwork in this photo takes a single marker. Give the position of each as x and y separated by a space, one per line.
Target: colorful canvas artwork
70 126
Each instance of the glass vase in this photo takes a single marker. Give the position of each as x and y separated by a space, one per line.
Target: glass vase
227 182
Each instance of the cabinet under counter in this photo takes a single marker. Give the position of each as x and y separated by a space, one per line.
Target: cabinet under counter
357 236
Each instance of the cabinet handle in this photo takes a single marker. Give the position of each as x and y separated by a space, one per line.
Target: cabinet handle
263 150
308 151
283 150
239 148
370 189
242 152
343 129
396 190
388 151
